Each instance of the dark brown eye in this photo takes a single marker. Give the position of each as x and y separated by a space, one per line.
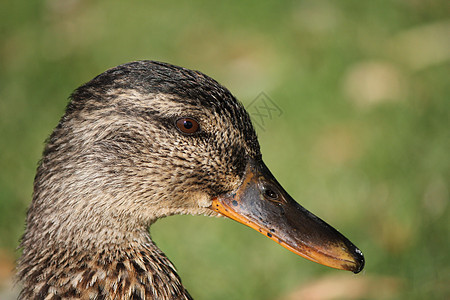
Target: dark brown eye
187 125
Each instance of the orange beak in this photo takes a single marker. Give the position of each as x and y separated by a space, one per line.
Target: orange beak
262 204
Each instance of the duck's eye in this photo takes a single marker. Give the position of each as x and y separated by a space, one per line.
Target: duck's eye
187 125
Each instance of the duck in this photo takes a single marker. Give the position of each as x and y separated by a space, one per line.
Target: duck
143 141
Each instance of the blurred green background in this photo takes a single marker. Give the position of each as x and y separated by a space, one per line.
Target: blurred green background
363 140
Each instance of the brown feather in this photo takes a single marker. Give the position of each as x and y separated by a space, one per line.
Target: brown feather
114 165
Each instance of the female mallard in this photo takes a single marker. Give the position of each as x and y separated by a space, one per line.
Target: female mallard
137 143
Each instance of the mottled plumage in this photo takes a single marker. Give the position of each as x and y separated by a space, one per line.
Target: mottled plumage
115 164
119 160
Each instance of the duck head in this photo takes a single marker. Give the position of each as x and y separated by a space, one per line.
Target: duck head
147 140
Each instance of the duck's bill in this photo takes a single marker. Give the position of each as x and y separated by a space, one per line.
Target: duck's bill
262 204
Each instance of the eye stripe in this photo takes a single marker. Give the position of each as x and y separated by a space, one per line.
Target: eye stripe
187 125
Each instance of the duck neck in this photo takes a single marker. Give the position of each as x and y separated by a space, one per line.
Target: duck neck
134 270
87 236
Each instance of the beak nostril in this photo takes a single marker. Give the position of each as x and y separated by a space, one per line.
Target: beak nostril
270 194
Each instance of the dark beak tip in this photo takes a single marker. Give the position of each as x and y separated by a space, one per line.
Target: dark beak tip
359 261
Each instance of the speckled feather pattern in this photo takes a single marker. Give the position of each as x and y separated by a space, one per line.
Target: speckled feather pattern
114 165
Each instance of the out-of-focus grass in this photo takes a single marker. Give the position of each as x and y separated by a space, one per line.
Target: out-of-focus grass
363 140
